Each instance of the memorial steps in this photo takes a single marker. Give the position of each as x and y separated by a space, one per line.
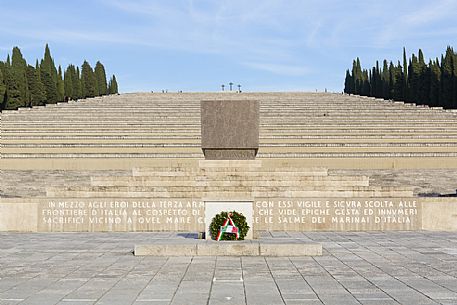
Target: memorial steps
228 182
143 128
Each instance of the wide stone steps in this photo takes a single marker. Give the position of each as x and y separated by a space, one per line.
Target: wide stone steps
237 192
195 149
272 155
183 181
268 112
265 111
209 167
20 128
263 146
263 131
292 126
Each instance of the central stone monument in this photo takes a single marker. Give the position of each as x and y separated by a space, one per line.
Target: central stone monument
230 129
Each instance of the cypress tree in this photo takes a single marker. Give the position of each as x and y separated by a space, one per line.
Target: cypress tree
113 89
447 79
385 79
68 81
365 83
357 76
2 91
101 78
60 85
435 77
413 80
25 85
48 75
47 64
455 82
12 93
405 76
399 83
348 83
378 79
88 81
18 68
37 92
423 81
50 87
77 86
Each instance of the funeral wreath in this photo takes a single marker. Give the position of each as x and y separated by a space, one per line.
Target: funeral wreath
229 226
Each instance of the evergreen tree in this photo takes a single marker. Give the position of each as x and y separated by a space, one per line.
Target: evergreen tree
399 83
413 80
60 85
47 65
48 71
88 81
378 79
113 89
405 76
18 68
385 81
455 82
37 91
25 85
435 77
50 87
68 81
2 91
77 86
12 98
348 83
447 79
423 91
101 79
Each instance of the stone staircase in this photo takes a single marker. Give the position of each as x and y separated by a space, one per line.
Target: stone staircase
228 182
306 129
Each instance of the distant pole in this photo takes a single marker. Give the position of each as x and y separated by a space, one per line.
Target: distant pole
239 87
231 84
223 86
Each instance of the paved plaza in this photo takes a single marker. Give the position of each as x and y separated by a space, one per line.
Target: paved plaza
356 268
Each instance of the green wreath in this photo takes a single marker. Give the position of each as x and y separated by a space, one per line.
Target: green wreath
239 220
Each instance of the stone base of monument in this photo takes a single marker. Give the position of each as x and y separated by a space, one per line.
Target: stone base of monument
230 248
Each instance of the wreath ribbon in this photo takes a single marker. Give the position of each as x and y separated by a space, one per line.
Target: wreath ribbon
228 227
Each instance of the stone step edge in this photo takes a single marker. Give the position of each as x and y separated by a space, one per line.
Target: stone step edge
230 248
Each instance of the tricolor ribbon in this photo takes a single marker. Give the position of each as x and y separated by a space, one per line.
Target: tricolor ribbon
228 227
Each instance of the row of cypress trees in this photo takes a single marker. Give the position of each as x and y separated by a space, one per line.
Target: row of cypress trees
433 84
23 85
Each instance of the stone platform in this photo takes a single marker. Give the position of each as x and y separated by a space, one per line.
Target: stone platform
283 247
368 268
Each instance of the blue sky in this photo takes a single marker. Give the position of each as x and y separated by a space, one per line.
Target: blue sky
197 45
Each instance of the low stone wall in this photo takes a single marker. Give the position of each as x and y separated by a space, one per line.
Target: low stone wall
187 214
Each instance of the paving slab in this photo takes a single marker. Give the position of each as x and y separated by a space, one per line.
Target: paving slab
355 268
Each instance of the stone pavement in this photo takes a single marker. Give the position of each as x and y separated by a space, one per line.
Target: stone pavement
356 268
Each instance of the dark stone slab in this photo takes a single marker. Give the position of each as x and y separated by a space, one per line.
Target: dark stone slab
230 129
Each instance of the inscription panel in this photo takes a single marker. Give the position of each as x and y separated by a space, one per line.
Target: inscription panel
121 215
187 214
337 214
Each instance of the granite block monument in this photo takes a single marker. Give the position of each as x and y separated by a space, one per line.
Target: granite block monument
230 129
